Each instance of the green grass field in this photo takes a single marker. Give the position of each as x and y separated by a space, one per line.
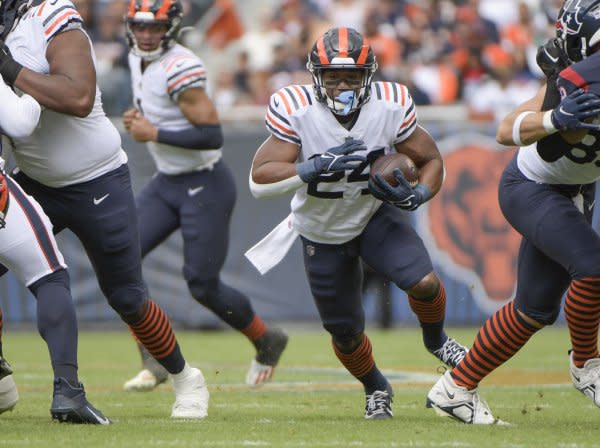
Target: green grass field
311 403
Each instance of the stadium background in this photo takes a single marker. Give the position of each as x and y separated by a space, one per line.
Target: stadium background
466 62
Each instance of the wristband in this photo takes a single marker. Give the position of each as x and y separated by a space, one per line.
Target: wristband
547 122
516 131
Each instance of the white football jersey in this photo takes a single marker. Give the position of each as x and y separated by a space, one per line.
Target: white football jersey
155 93
63 149
338 207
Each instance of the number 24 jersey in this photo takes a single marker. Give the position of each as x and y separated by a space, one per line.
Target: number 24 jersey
338 206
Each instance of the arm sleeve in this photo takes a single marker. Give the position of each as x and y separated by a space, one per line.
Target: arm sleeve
277 118
197 137
408 118
57 17
19 115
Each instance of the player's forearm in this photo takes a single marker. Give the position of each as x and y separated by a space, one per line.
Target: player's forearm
274 179
530 129
59 92
432 175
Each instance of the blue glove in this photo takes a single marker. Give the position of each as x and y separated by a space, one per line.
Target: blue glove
574 109
335 159
403 195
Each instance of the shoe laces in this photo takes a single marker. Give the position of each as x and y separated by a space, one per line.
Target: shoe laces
451 352
378 400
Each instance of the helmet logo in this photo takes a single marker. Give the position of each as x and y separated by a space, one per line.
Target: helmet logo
570 22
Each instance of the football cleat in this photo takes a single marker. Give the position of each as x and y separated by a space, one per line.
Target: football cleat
269 350
451 353
9 396
379 404
5 368
69 405
191 395
450 400
587 378
144 381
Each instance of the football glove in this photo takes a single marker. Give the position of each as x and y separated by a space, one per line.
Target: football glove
551 58
574 109
9 68
403 195
338 158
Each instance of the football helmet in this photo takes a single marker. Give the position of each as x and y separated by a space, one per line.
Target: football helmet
342 49
578 28
169 12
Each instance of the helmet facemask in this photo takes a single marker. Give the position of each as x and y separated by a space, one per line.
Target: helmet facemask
349 100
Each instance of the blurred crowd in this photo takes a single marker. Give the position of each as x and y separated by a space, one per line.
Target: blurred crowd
477 52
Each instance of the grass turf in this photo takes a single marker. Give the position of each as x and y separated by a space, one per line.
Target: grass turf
311 403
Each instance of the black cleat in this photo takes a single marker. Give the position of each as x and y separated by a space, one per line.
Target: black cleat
379 404
270 347
70 405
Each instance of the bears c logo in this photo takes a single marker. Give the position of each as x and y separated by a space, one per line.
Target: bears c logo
463 227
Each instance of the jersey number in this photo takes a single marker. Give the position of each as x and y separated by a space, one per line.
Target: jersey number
356 175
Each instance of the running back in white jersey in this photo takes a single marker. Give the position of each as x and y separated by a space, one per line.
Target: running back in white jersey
64 149
338 207
155 93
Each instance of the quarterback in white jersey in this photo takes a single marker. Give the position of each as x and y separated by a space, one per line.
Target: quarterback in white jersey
547 194
194 190
74 166
28 249
323 139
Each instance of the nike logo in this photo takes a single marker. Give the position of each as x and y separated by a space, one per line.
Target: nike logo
591 206
101 420
99 200
276 103
562 111
194 191
451 396
552 58
576 378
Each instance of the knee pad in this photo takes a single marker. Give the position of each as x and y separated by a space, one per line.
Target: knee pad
128 302
60 277
204 291
542 316
347 344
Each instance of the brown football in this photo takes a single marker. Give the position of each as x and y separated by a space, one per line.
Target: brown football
385 165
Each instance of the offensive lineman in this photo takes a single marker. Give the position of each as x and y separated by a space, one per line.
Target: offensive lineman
74 161
28 249
193 189
546 193
323 138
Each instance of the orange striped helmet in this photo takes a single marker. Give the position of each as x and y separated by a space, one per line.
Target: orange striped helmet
169 12
342 49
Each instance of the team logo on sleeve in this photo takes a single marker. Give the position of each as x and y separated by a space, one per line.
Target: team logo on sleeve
463 227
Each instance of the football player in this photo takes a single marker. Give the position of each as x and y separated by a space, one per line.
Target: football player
546 193
323 138
28 249
74 166
194 189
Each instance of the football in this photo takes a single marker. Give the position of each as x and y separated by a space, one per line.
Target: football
385 165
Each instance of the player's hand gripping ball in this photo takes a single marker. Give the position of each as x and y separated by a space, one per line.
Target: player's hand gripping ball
385 166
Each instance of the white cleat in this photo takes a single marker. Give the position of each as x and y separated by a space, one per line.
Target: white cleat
450 400
587 378
258 374
191 394
8 394
144 381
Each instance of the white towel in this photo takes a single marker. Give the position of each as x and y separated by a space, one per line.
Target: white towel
268 252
